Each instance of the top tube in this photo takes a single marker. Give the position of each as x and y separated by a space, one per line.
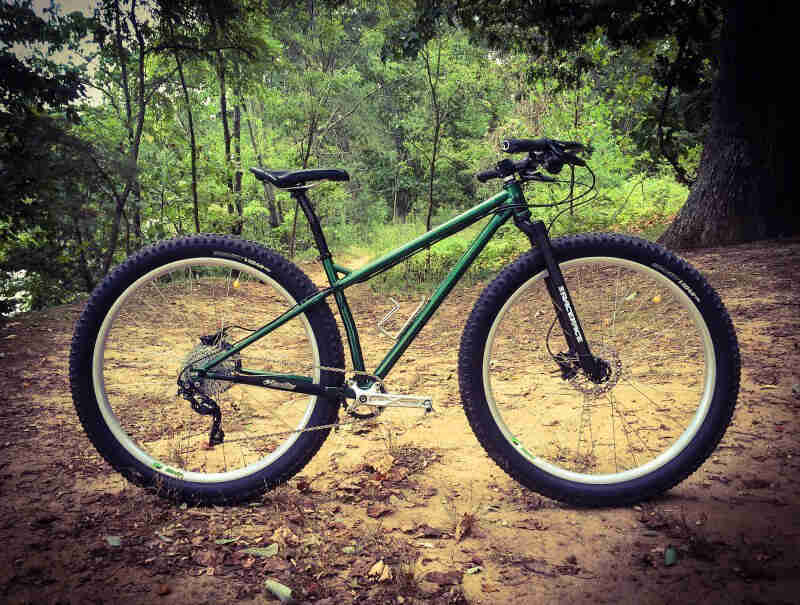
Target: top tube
454 225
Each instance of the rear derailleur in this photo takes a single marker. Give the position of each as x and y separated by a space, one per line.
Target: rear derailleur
205 406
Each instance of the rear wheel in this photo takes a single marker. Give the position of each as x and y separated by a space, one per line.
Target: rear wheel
171 307
666 395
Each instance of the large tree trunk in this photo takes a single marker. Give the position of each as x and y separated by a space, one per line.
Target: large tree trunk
741 194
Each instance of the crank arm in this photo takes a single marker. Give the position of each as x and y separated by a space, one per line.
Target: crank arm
389 400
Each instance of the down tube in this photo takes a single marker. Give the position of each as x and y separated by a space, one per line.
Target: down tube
449 282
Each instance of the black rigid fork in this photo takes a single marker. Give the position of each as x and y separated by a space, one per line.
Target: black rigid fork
562 302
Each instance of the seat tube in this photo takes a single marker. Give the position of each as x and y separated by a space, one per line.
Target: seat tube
327 263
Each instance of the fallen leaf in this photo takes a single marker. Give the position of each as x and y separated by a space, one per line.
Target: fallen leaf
283 592
285 537
352 484
381 571
204 557
114 541
376 510
268 551
398 473
464 526
383 464
426 531
443 578
163 590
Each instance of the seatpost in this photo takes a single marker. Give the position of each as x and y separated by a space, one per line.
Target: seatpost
299 194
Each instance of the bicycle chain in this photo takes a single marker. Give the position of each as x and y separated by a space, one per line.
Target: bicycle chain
321 427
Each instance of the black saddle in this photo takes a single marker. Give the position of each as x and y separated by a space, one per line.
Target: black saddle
288 179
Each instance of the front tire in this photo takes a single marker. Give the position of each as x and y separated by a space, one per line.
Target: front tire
672 372
172 305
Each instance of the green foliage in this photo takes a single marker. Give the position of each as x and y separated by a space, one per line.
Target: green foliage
308 89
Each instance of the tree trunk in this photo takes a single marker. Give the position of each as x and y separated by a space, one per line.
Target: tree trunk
306 152
192 143
436 114
134 132
137 216
269 196
237 167
740 194
226 132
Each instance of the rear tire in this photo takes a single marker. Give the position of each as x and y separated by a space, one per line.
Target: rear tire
673 372
142 328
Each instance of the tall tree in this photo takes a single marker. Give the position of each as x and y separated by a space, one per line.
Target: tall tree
126 40
741 191
41 163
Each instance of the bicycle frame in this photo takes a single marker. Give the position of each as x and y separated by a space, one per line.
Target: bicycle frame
509 202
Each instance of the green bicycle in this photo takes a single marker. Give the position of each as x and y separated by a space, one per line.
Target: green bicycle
596 369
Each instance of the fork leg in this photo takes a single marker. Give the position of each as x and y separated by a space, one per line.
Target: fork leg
562 302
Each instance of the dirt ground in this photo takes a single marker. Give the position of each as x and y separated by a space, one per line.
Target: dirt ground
410 510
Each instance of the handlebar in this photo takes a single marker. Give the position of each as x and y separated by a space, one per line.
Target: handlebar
537 145
550 153
505 168
488 175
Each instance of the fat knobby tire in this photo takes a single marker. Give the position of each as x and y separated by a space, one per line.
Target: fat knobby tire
281 270
478 412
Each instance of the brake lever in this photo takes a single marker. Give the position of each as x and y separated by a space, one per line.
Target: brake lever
531 175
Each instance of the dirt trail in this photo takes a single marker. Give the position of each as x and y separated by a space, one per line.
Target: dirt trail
410 509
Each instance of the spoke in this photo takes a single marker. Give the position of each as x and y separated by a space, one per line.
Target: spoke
610 397
586 420
661 408
660 330
616 304
626 430
177 321
630 427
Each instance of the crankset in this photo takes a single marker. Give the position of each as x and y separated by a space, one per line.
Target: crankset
375 396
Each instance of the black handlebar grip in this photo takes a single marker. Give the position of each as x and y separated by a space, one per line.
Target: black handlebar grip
487 175
523 145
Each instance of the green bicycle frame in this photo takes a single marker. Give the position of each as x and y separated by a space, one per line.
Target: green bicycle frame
503 205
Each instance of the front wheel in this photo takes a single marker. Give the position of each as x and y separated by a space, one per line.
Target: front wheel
161 314
666 395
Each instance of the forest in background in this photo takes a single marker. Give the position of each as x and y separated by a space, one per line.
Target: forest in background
143 126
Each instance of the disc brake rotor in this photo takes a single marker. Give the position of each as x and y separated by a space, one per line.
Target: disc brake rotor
583 384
